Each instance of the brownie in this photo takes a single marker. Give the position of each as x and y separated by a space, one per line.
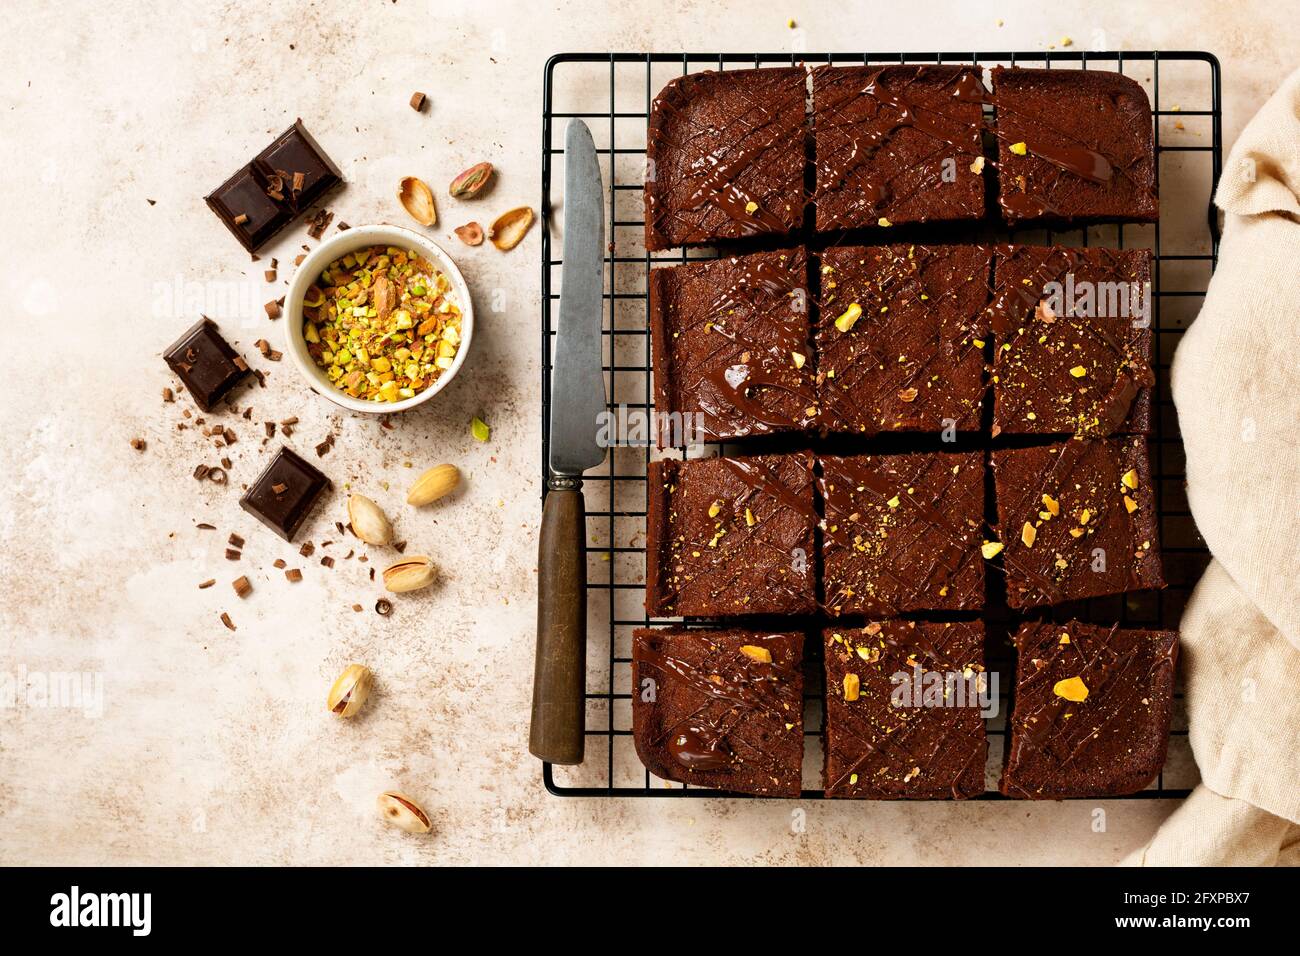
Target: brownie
903 711
1073 146
903 532
730 536
1092 710
899 341
1076 520
731 344
897 144
720 709
1073 334
725 157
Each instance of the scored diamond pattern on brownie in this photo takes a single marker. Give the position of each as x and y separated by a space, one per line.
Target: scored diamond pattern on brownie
1092 710
900 337
1076 520
899 144
730 536
731 342
719 708
726 157
902 532
886 749
1073 336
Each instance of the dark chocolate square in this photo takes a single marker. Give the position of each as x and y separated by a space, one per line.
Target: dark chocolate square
897 144
730 536
206 364
1092 710
1077 520
284 493
731 344
912 359
720 709
1073 146
263 193
902 532
726 157
903 714
1072 329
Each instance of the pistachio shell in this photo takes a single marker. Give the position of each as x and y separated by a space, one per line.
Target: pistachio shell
417 199
433 484
509 228
369 523
350 691
410 574
403 812
471 234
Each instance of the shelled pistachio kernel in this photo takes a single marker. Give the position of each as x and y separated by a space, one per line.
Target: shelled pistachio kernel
383 323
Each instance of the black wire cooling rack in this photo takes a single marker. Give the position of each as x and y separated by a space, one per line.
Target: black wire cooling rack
612 92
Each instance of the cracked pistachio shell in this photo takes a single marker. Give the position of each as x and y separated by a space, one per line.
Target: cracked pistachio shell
369 523
417 199
402 812
410 574
350 691
510 227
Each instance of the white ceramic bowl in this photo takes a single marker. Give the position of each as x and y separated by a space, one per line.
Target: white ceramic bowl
340 244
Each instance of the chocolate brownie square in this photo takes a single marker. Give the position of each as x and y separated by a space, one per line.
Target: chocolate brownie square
1077 520
725 157
730 536
897 144
720 709
1073 146
903 532
1092 710
731 344
903 711
900 337
1073 334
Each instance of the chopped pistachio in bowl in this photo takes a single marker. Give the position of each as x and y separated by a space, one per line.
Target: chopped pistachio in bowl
379 319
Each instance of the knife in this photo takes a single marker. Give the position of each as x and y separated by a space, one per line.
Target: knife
577 407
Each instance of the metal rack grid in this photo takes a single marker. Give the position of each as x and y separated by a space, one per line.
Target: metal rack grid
1185 254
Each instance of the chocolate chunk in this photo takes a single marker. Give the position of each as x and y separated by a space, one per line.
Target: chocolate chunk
730 536
903 532
726 153
725 711
285 511
206 364
252 202
1092 710
725 337
1071 525
930 745
1073 146
897 143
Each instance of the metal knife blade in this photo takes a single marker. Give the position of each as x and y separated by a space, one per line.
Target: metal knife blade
577 382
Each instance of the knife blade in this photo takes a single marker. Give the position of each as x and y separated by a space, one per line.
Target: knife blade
578 384
557 733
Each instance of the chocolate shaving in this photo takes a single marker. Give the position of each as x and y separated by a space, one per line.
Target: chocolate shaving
280 563
327 561
225 619
241 586
319 223
417 101
201 472
272 310
233 554
217 475
236 541
383 607
279 488
270 429
204 526
168 395
241 219
307 549
293 574
207 584
138 444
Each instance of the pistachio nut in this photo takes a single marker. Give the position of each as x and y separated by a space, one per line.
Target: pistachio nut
471 182
410 574
438 481
350 691
403 812
369 523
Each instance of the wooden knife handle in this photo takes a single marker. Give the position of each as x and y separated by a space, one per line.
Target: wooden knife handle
560 677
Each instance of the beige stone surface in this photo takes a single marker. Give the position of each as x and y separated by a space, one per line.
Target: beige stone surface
212 747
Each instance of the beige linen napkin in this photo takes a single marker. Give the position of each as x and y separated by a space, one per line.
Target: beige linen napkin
1236 385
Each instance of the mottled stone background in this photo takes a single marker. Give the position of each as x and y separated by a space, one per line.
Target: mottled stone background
214 747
